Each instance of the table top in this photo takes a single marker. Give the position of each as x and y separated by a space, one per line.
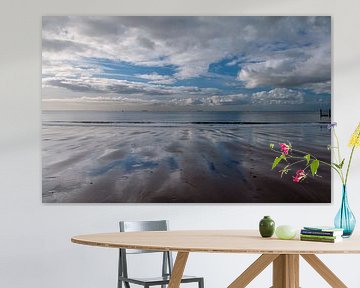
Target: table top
217 241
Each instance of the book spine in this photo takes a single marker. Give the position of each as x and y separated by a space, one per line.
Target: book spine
319 236
320 233
317 239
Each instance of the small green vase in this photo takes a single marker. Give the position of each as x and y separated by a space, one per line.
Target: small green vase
267 227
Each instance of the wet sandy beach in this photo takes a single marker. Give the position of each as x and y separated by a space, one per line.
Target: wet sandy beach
201 164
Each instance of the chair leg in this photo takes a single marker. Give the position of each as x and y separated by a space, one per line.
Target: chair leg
120 273
201 283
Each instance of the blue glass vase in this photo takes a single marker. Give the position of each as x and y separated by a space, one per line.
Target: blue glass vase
345 219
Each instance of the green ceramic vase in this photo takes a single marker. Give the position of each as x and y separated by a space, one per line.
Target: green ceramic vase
266 227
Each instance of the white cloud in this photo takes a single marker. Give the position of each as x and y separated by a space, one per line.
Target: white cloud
319 88
190 44
278 96
214 100
132 89
156 78
103 99
292 68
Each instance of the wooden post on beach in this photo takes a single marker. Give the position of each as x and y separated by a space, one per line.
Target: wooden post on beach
325 114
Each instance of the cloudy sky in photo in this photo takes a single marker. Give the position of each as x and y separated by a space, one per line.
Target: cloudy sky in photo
178 62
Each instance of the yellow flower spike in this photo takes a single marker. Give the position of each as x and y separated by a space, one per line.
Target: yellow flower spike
355 138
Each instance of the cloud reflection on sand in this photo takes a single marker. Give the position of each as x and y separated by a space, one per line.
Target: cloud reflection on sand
191 163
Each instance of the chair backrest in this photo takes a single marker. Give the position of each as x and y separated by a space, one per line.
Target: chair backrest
134 226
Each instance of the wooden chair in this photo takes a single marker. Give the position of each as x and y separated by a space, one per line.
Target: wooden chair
167 262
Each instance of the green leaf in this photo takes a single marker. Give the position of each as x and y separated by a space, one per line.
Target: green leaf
277 161
342 163
314 166
339 165
307 157
271 146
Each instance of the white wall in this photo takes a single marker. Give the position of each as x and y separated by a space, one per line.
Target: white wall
35 248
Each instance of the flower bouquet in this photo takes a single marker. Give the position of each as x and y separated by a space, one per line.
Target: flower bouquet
306 164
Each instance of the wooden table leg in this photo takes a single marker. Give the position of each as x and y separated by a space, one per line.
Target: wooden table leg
253 270
178 269
324 271
286 271
293 262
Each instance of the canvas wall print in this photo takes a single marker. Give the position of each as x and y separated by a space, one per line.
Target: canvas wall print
183 109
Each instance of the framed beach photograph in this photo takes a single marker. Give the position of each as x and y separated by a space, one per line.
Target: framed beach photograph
154 109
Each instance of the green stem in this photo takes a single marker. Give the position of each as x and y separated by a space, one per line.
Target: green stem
323 162
296 162
339 156
348 167
351 155
338 146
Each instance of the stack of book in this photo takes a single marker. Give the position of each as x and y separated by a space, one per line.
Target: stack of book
321 234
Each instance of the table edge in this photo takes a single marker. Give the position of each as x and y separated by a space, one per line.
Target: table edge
206 250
